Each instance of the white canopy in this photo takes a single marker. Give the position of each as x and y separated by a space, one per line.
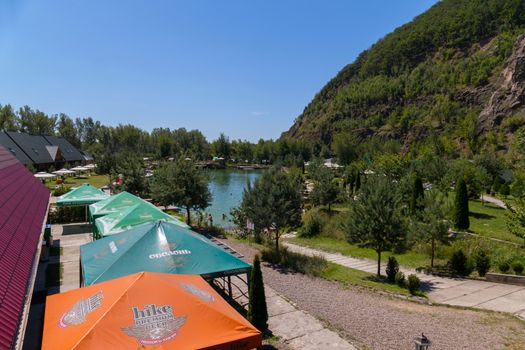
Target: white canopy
79 168
63 171
90 166
43 175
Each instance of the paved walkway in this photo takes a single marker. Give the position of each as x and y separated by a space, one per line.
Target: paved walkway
495 201
298 329
450 291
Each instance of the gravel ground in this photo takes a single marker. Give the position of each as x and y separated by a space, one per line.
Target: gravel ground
371 320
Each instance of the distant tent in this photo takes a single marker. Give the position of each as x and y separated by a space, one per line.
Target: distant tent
132 216
145 310
113 204
82 195
158 247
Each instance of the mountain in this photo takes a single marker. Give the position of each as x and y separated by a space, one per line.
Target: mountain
455 72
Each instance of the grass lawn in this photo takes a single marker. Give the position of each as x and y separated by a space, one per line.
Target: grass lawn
350 276
410 259
490 220
74 181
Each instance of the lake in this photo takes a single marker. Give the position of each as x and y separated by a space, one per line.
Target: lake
227 187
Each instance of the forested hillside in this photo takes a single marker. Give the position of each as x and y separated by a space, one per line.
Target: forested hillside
451 81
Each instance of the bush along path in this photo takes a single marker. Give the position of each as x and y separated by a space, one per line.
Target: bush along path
449 291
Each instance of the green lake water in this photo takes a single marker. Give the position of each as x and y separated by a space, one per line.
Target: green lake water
227 187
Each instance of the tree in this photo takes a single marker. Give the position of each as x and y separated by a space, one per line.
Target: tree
417 195
345 147
461 210
257 310
222 147
7 118
130 167
325 189
431 223
374 220
36 122
273 202
66 129
516 217
181 183
483 181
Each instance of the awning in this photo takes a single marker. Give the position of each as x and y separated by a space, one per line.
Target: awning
132 216
113 204
82 195
158 247
145 310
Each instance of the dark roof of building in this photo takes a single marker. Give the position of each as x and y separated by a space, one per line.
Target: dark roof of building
10 145
23 207
34 146
69 152
87 156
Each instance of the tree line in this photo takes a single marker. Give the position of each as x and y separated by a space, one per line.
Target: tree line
161 143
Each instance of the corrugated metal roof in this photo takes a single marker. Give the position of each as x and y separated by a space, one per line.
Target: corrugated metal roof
9 144
23 205
69 152
34 146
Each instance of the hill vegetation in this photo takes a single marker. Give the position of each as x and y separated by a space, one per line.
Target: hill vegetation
424 86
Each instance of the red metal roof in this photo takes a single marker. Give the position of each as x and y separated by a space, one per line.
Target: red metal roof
23 206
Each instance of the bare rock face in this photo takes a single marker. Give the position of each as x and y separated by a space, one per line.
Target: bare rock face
508 97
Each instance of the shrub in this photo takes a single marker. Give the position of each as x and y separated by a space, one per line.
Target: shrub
504 190
65 215
257 310
518 268
392 268
414 284
400 279
459 263
482 263
313 224
308 265
61 190
504 267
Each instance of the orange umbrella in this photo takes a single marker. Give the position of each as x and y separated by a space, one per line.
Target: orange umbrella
146 310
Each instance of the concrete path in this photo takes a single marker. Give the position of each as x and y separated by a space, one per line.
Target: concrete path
451 291
495 201
298 329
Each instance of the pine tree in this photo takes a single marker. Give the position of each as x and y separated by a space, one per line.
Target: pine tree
257 311
461 211
357 185
418 193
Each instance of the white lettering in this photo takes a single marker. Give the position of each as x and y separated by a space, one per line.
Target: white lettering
169 253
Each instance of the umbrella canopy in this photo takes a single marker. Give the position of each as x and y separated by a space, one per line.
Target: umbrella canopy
82 195
79 168
113 204
43 175
146 309
63 171
158 247
90 166
132 216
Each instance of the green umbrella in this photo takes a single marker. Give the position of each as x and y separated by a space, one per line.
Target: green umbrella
157 247
132 216
113 204
82 195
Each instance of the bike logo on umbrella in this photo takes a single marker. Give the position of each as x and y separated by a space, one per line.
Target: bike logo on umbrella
154 324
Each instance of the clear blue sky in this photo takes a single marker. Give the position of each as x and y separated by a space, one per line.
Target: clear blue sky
245 68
